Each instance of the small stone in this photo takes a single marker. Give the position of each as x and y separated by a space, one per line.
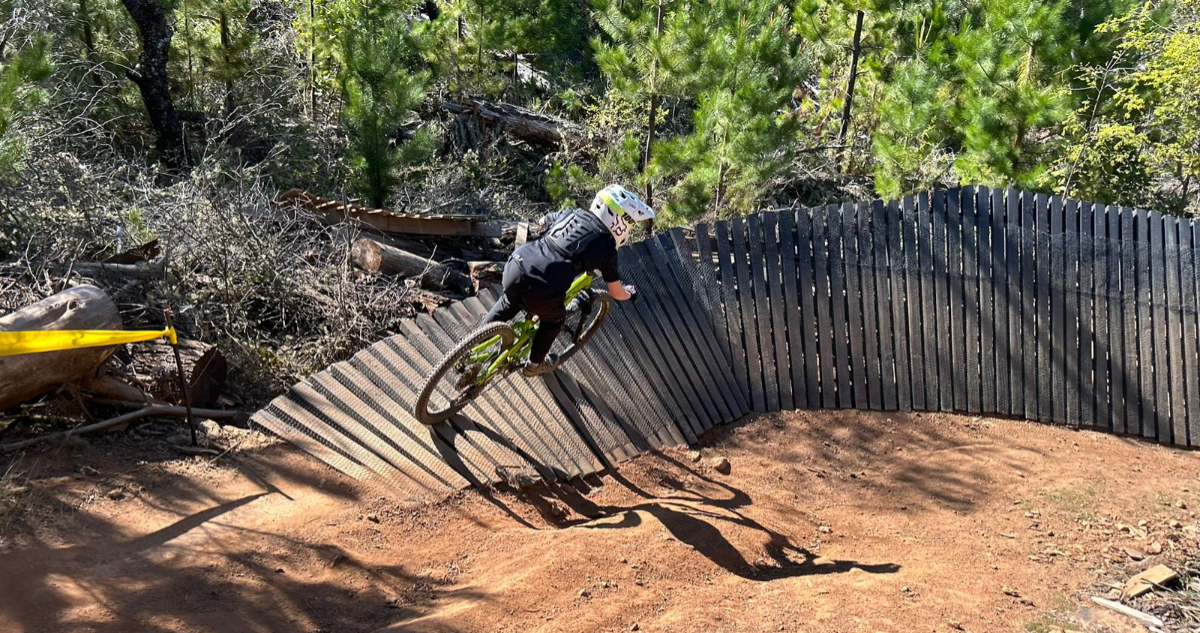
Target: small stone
584 593
1175 524
694 456
825 529
1155 548
954 624
1009 591
721 465
635 627
279 570
1135 554
116 494
373 518
622 560
210 428
88 471
1181 504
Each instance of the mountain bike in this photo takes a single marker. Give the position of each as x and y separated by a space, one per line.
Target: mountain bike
497 349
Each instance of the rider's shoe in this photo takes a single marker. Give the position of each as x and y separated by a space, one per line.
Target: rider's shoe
546 366
582 302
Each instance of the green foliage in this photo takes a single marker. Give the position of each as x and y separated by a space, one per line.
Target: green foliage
1141 120
19 94
213 42
380 92
989 87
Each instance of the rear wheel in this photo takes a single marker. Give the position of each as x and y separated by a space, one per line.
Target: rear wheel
584 319
455 381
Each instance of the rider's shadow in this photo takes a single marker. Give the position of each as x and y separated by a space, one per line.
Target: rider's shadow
696 519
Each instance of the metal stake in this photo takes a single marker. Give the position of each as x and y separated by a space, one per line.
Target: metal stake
187 397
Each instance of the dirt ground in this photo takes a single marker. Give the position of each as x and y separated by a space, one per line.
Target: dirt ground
825 522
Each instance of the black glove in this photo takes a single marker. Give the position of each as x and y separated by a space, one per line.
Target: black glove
633 292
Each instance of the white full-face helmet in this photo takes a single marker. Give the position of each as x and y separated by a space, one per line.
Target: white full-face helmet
616 206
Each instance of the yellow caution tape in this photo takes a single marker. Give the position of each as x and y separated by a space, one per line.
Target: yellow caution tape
14 343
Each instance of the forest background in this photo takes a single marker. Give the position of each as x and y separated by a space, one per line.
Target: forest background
123 122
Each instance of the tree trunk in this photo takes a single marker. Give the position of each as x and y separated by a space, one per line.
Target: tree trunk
526 124
225 44
89 42
376 257
855 51
31 375
646 153
150 75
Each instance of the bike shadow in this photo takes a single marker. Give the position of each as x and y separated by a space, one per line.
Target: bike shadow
692 516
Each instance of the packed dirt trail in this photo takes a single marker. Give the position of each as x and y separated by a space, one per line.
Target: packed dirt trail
822 522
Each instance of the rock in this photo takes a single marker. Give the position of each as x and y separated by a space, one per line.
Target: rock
635 627
584 593
721 465
210 428
1159 575
116 494
825 529
1175 525
1009 591
1155 548
954 624
1181 504
1135 554
88 471
694 456
373 518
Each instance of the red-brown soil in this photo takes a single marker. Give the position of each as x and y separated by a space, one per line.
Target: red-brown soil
827 522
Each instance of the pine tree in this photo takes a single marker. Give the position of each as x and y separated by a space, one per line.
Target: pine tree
380 92
19 93
213 43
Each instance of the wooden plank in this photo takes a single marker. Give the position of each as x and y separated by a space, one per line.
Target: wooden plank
1176 362
733 305
987 324
810 331
1001 306
896 274
881 305
1145 327
971 303
1115 319
792 308
750 319
1101 300
943 332
851 234
1073 379
1161 320
713 282
772 249
929 303
1130 254
837 290
760 288
1190 257
1086 256
1056 351
911 234
956 301
821 219
1014 299
1030 296
1044 263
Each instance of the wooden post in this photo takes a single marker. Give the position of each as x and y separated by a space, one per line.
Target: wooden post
856 50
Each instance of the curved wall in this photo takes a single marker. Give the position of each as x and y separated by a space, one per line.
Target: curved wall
969 300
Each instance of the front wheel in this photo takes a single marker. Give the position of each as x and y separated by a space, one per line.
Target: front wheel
584 318
456 380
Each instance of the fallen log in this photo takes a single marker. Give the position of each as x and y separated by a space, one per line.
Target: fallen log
145 412
376 257
31 375
522 123
139 270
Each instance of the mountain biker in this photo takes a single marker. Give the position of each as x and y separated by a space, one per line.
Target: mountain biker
539 273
